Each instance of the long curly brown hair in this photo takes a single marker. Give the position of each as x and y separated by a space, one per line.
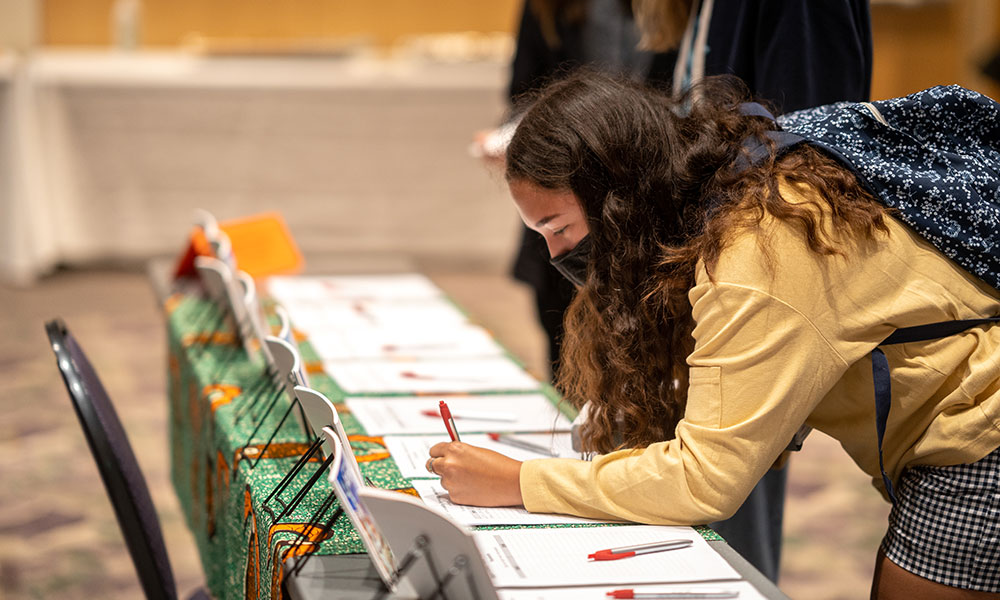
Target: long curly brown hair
663 184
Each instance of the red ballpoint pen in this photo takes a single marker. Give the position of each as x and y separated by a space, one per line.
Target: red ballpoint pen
678 594
627 551
449 423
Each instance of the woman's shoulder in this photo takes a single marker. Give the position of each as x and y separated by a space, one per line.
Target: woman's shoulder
893 272
761 244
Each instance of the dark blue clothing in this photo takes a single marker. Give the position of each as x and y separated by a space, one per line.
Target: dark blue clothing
793 54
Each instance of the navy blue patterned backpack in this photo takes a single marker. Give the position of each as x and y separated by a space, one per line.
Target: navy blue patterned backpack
934 156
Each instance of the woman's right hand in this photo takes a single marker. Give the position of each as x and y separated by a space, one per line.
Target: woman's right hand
476 476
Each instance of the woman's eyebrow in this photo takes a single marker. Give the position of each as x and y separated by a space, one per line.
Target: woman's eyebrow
545 220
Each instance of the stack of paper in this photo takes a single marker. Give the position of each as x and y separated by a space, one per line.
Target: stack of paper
418 314
552 562
396 334
439 375
411 451
340 344
558 557
435 495
712 590
491 412
289 290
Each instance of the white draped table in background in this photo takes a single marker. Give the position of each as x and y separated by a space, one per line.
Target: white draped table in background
105 155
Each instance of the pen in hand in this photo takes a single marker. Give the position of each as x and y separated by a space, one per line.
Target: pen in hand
627 551
449 422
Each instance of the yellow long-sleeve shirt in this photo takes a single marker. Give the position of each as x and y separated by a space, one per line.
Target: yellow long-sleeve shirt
787 342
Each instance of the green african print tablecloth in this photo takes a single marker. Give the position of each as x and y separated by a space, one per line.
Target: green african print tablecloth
211 385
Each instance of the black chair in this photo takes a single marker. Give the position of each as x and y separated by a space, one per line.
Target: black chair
119 469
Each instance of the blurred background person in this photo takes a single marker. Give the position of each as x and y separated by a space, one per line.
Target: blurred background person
792 54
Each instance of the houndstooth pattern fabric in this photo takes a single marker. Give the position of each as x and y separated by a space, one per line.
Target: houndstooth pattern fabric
945 525
933 155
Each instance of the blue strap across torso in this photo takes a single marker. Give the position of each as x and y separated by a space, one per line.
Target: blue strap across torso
883 381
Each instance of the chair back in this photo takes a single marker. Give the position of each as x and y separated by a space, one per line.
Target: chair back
116 462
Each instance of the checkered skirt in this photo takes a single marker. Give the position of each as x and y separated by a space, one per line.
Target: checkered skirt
945 525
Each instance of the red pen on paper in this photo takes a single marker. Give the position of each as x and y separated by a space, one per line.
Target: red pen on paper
627 551
675 595
427 377
522 444
413 348
476 415
449 423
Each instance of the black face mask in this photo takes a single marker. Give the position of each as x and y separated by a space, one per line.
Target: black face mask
573 263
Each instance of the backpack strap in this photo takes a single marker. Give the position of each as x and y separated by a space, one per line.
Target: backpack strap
883 381
755 109
756 150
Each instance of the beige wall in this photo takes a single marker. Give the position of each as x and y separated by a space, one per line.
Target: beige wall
921 44
18 23
917 43
173 22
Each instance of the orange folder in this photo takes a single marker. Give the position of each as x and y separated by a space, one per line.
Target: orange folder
262 244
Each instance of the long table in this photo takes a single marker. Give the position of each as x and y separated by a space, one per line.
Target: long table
223 471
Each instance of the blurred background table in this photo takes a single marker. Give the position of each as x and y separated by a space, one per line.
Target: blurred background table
109 154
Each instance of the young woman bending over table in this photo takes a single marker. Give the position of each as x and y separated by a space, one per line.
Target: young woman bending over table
725 302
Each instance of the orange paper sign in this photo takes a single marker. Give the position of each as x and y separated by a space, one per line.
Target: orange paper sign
261 243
